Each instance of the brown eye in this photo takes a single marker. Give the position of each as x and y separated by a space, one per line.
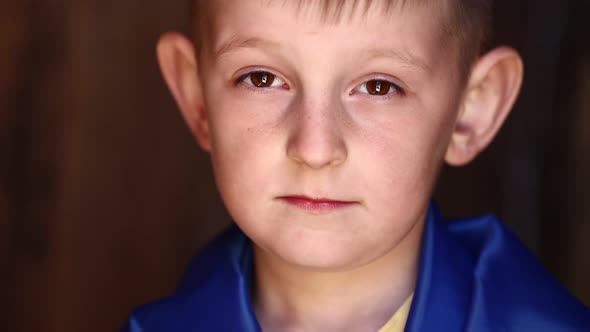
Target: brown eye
378 87
262 79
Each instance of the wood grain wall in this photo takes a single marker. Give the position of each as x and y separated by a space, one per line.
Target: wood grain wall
104 196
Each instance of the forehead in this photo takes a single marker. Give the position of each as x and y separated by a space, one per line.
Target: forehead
328 10
413 26
335 11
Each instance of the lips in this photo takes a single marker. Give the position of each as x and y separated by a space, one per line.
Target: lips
316 205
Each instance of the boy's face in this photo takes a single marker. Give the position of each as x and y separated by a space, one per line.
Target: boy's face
326 139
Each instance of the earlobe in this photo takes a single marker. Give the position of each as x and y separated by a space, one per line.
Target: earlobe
178 64
490 94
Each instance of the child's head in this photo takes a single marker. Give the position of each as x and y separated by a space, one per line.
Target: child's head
328 121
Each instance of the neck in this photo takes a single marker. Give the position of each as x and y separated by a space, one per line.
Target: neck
295 298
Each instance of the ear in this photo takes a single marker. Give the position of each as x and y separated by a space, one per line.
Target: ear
490 94
178 63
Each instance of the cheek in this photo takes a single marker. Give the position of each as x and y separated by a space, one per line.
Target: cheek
240 156
241 152
402 159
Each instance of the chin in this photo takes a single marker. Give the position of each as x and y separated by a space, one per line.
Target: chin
320 254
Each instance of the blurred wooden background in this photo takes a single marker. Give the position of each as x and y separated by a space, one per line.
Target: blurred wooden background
104 196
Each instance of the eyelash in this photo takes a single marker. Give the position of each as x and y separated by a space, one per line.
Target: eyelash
394 89
242 80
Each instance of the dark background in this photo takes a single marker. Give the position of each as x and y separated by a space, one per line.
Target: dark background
104 196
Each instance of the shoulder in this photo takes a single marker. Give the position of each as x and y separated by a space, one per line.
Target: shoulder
211 295
509 286
475 275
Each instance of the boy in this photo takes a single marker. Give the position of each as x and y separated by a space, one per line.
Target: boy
327 123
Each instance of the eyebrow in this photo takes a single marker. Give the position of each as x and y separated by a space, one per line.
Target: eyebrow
406 58
237 43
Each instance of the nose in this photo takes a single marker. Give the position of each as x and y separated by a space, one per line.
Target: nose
316 139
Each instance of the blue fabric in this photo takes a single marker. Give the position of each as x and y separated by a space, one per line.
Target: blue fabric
474 276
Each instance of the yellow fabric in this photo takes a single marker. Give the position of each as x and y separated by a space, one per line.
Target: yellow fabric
397 323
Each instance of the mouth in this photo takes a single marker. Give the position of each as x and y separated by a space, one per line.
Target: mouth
316 205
